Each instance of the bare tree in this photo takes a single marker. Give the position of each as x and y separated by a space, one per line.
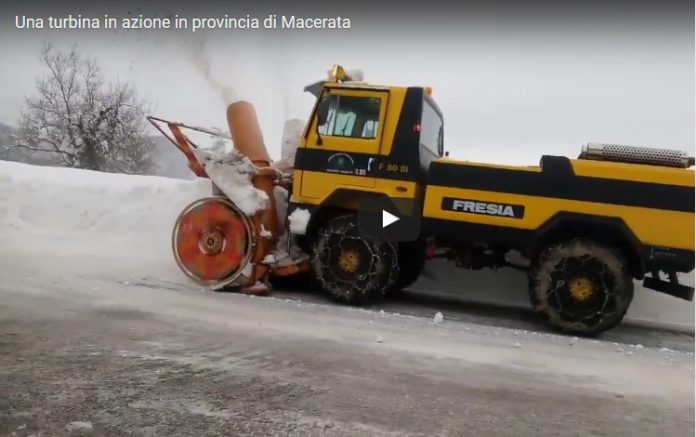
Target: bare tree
83 121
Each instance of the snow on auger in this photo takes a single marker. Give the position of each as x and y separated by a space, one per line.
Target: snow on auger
235 238
586 228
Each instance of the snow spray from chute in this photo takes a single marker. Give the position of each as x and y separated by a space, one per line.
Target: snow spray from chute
239 238
195 49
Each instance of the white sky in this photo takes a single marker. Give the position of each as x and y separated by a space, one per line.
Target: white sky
507 96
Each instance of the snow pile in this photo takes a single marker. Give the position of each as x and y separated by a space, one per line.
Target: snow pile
53 214
438 318
232 173
299 219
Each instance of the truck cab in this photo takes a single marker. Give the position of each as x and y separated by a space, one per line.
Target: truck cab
367 138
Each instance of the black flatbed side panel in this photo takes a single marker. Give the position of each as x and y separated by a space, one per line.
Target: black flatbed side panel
557 180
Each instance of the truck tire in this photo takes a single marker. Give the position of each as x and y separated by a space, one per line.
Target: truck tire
411 260
348 267
580 287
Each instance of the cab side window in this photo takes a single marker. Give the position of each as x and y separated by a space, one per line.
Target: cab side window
349 116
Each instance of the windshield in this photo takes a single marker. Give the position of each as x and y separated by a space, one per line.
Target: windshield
431 134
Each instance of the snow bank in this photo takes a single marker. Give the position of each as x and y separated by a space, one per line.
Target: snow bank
123 220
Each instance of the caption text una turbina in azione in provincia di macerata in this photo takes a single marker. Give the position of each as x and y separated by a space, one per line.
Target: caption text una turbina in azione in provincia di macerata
224 22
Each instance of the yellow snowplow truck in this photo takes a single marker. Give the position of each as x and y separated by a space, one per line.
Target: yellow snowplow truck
381 198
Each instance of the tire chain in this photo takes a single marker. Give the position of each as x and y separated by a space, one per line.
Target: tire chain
585 252
382 273
558 271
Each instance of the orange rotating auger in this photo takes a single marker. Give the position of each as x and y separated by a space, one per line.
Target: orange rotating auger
214 242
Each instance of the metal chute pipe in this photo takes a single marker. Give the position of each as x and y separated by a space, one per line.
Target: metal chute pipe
246 133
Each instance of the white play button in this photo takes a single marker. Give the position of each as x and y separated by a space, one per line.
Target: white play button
388 218
385 219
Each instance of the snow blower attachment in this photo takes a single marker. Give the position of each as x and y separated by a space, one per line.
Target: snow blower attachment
235 238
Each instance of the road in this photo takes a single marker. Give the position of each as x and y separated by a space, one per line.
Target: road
101 334
92 355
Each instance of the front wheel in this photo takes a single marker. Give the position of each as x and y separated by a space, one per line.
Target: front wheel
411 259
580 287
350 268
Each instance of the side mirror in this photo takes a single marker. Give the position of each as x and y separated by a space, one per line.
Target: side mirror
322 111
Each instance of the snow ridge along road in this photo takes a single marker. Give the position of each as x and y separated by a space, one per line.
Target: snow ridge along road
100 333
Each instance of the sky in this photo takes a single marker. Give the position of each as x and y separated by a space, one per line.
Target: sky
513 82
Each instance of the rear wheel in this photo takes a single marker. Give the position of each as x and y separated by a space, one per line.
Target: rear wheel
350 268
581 287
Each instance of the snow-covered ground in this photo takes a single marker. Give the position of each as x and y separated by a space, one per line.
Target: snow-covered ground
100 332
